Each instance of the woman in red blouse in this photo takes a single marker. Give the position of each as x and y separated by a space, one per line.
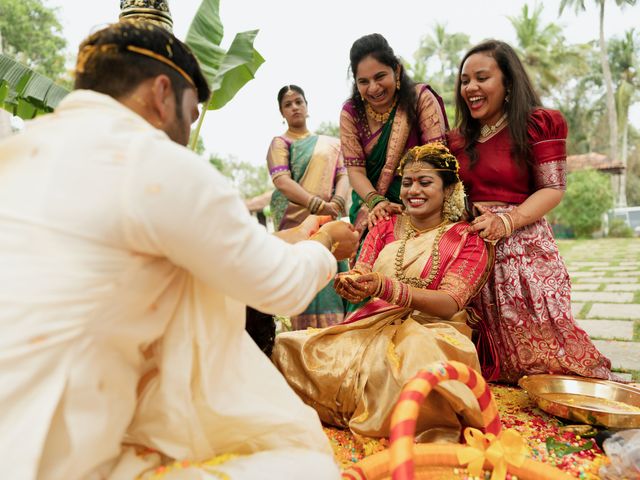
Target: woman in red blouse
513 165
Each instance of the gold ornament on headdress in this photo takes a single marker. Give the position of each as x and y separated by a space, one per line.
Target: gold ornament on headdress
155 11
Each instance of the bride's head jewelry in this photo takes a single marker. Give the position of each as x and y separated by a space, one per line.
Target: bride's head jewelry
431 156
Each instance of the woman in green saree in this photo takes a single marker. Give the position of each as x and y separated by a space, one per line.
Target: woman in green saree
386 115
310 178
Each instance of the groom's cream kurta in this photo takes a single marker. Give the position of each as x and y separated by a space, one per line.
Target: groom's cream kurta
125 261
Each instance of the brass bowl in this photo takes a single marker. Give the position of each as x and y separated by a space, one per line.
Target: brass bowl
585 400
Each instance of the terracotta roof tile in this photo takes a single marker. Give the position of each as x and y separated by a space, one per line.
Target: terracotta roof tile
594 160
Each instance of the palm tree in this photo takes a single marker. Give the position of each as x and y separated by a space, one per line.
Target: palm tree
623 57
447 49
579 5
541 48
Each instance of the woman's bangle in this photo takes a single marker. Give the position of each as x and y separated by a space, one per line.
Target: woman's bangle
340 202
375 200
393 291
369 195
372 198
315 204
508 228
511 220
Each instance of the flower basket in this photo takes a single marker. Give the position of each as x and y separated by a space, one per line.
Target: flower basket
489 454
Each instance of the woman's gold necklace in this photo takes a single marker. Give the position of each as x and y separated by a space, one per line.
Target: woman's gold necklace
410 232
380 117
488 130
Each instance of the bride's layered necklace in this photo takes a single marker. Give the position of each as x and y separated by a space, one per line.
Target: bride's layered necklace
410 232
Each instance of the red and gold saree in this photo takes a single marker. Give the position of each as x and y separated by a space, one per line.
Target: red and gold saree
352 373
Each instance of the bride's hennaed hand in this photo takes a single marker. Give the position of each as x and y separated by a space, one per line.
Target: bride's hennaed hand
340 286
369 282
353 289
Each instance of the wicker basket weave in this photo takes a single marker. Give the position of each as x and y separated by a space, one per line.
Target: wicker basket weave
495 453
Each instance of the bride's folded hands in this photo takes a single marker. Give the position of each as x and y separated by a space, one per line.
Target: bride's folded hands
356 286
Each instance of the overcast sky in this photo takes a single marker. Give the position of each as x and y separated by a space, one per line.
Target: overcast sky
307 43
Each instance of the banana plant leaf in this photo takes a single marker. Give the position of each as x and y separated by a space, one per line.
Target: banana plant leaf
26 93
227 72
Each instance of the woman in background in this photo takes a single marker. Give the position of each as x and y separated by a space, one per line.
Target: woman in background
386 115
310 178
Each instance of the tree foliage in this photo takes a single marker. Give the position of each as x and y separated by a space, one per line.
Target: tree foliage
436 62
633 168
249 179
543 49
227 72
612 116
26 93
31 33
328 128
588 197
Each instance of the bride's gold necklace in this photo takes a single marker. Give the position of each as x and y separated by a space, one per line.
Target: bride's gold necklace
428 229
380 117
412 231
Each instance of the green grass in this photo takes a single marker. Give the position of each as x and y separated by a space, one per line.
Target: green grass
597 250
635 374
584 310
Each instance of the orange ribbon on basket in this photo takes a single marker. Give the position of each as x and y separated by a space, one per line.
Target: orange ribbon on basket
508 448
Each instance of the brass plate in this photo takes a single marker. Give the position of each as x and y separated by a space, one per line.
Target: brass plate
585 400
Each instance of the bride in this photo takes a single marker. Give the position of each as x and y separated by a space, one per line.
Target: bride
416 273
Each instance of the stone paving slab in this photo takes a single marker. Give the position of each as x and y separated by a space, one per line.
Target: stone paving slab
614 269
615 310
588 286
621 287
625 274
614 297
608 328
609 280
622 354
575 308
590 264
582 274
629 263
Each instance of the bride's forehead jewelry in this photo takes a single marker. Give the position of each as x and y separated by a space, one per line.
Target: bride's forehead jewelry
432 156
